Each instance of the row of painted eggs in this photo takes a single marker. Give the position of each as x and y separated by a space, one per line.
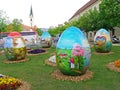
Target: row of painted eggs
14 45
72 50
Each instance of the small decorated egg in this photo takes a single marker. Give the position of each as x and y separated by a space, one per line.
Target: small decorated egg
102 41
73 52
14 46
46 40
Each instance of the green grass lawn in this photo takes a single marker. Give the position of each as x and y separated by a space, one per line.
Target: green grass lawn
38 74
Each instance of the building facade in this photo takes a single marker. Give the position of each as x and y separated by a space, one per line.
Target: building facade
90 6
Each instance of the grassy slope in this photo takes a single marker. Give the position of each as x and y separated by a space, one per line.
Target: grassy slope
38 75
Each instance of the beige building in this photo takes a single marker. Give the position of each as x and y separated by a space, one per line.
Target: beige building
90 6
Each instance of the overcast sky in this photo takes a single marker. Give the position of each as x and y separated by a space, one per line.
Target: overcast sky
46 12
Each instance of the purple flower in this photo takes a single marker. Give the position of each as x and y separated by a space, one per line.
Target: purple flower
36 51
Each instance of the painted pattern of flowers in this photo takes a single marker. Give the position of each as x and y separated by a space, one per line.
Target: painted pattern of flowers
78 51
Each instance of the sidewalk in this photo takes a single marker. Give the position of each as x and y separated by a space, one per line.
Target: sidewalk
116 44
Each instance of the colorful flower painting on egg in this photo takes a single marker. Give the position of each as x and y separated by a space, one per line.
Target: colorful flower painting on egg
14 46
102 41
73 52
46 40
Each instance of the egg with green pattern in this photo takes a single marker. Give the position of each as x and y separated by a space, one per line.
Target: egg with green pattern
73 52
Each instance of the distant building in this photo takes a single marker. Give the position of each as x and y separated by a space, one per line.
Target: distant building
32 27
28 28
90 6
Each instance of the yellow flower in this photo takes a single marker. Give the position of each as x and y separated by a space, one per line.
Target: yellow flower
9 81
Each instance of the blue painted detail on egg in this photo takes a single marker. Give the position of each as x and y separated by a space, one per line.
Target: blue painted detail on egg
46 39
45 35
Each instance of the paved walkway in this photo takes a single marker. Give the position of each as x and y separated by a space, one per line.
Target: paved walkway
117 44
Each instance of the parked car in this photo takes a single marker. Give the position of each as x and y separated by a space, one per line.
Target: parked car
115 39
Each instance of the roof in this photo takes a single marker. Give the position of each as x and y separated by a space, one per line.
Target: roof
83 8
28 28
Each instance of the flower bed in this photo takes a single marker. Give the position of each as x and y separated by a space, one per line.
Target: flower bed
9 83
117 63
114 65
36 51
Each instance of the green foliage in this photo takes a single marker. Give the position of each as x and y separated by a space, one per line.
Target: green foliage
9 28
52 32
39 31
107 17
38 74
6 26
109 13
88 21
59 29
3 21
16 25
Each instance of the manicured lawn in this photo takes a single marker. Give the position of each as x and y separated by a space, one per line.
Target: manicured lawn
38 75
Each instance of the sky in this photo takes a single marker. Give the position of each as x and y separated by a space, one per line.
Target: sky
46 13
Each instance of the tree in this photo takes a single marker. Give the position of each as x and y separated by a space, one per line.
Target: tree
3 21
10 28
93 20
53 32
39 31
110 14
88 21
17 24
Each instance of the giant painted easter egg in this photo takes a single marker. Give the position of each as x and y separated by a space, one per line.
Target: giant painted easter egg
73 52
46 39
14 46
102 41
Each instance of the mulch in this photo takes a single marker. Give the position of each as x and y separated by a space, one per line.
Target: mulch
24 86
50 63
44 48
108 53
60 76
17 61
1 52
112 67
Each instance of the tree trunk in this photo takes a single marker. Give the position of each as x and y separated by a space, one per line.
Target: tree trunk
113 31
